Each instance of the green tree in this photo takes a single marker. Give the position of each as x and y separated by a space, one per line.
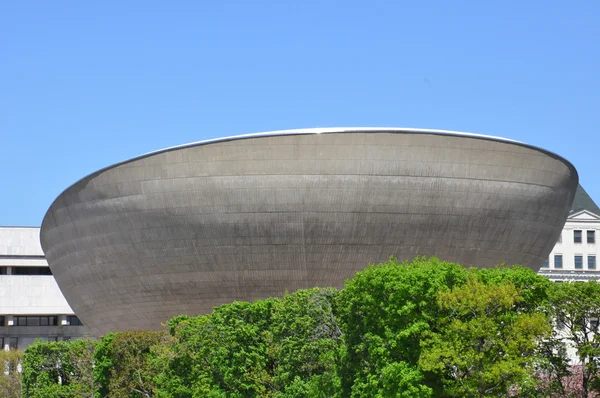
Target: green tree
553 373
534 289
47 370
103 364
481 346
576 310
415 329
305 344
59 369
123 364
221 354
10 377
81 357
383 312
276 347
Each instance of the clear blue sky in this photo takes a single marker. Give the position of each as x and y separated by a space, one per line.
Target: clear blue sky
87 84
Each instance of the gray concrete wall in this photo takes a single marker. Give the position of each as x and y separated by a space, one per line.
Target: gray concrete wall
183 230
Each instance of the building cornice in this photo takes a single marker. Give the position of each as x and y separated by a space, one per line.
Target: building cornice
577 275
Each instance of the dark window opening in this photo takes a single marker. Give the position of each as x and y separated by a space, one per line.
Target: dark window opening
74 321
36 320
31 271
591 236
13 343
3 270
558 261
578 262
577 236
591 262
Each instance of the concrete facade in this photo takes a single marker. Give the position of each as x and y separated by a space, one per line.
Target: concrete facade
187 228
27 289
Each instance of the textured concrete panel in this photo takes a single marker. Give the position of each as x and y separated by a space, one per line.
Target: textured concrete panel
184 229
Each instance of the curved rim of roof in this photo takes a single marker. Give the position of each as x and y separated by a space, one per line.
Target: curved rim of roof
321 130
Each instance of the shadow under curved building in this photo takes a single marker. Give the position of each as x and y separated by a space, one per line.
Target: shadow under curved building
242 218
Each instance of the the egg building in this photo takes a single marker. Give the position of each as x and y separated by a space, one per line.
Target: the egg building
183 229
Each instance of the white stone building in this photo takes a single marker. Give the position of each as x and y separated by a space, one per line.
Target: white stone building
31 304
577 252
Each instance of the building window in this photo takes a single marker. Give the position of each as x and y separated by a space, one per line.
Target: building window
13 343
31 271
591 262
546 264
36 320
3 270
578 262
577 236
591 236
2 319
48 321
558 261
73 320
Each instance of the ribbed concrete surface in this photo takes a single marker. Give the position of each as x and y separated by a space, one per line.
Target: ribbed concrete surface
185 229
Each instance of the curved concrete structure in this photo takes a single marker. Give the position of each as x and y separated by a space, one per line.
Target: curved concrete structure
184 229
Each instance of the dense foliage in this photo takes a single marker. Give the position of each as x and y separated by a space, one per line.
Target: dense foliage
420 329
123 367
59 369
576 310
10 377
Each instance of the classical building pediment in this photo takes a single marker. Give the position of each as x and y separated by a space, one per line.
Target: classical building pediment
583 215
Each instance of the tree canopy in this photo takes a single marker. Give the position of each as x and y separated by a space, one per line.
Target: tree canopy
413 329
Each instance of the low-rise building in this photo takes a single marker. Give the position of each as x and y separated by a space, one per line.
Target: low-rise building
31 303
577 251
